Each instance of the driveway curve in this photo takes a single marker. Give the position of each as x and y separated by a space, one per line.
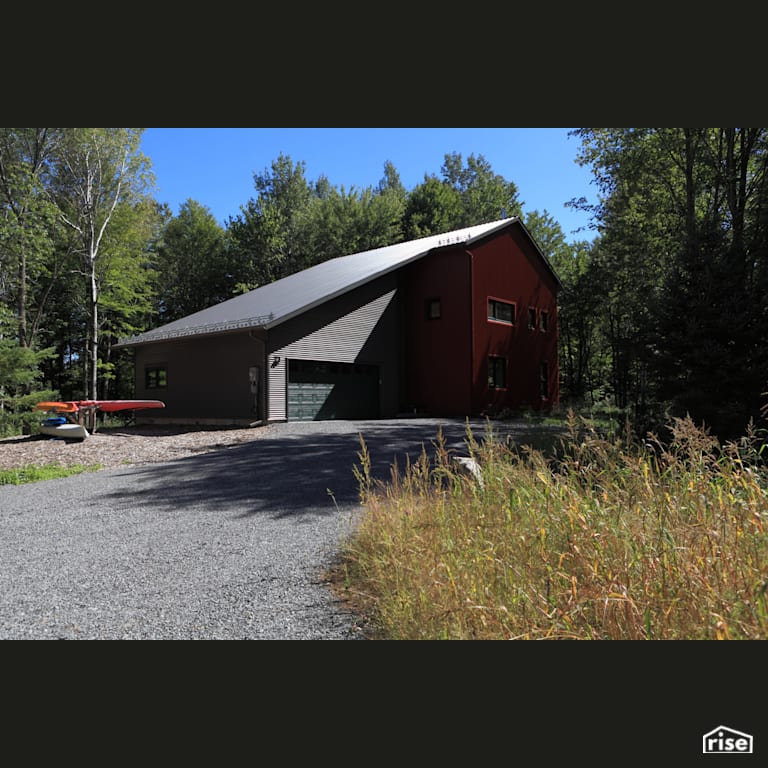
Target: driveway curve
225 545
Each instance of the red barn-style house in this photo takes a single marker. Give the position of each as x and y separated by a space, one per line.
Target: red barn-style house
458 324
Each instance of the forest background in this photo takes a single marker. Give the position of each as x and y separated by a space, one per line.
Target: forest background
664 312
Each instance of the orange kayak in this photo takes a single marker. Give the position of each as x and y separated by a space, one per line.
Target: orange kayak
57 407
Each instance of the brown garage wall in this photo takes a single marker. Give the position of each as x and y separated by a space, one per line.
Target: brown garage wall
207 379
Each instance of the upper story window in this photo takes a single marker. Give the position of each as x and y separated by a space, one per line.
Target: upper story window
501 311
532 318
433 309
543 320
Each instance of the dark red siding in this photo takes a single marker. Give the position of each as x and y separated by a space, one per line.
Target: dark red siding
436 371
508 268
445 365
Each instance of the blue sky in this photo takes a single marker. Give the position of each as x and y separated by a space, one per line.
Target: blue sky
215 166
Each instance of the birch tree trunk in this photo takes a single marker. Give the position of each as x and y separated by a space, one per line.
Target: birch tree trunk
97 172
94 322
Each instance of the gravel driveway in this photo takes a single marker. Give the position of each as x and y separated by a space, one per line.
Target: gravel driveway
225 545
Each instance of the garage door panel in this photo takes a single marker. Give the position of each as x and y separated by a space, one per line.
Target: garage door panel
323 391
306 399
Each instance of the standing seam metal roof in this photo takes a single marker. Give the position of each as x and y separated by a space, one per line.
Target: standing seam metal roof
272 304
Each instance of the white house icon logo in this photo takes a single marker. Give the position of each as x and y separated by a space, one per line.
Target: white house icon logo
726 741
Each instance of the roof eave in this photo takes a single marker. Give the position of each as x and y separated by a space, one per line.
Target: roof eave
216 329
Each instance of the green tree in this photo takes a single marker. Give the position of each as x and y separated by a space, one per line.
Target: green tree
98 169
27 223
341 222
433 207
712 327
485 195
19 376
127 275
578 327
18 364
467 194
548 234
683 245
390 183
66 328
266 237
194 262
387 209
293 223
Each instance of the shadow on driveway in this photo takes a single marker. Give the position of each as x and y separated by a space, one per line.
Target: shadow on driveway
293 474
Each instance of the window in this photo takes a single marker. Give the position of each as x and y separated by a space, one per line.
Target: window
433 309
532 318
543 320
497 372
156 377
501 311
544 380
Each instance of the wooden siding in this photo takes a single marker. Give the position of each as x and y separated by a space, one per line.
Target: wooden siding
354 328
507 268
435 376
446 361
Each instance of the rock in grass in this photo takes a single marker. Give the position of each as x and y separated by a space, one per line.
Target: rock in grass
468 466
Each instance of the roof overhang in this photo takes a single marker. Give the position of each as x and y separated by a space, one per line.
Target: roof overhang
210 329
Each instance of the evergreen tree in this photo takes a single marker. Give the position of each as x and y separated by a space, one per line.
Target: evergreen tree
683 249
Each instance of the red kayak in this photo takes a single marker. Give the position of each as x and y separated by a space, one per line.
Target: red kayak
111 406
105 406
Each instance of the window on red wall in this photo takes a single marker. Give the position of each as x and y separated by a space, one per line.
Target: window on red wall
497 372
543 320
501 311
434 310
544 380
532 318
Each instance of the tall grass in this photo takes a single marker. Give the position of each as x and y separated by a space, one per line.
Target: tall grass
609 540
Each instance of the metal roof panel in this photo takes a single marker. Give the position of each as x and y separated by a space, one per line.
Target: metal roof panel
272 304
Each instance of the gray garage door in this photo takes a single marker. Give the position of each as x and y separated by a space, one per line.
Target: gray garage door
319 391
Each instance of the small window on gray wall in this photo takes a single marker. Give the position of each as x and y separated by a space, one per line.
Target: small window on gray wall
156 377
433 309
